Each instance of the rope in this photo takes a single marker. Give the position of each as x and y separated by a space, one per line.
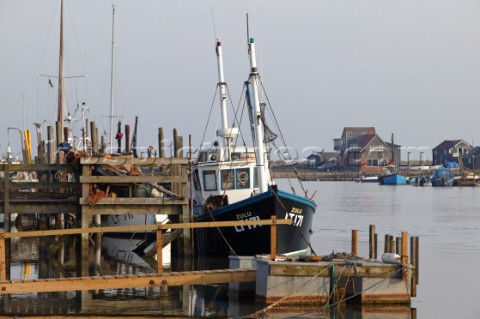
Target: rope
263 311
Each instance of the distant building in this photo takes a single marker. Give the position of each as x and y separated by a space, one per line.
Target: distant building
362 148
449 151
472 158
318 159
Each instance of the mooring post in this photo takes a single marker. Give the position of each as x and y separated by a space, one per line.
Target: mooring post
159 249
414 256
372 241
6 196
354 242
388 244
59 140
273 238
94 134
398 245
404 254
3 259
51 145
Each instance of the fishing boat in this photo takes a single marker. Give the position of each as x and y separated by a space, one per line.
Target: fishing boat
233 183
393 178
442 177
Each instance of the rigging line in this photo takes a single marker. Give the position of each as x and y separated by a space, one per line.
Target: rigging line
328 306
282 136
48 36
209 116
76 37
265 309
296 227
235 112
213 22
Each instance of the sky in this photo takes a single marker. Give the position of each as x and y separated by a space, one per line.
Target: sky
406 67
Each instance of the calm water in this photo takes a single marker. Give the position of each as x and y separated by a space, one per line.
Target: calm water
447 220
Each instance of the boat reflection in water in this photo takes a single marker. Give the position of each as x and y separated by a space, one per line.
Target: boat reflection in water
32 261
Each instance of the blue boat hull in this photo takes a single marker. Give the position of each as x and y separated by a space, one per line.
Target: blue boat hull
253 240
392 179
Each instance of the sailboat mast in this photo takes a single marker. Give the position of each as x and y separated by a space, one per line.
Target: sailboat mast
259 146
61 75
112 78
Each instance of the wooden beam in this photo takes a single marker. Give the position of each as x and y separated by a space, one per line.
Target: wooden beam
157 201
135 228
43 185
115 161
132 179
128 281
38 167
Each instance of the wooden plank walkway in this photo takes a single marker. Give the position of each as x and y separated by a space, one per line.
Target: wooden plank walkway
128 281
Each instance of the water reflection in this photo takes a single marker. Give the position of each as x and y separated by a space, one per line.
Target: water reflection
33 258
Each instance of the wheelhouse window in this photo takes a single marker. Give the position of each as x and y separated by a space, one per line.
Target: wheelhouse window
196 181
228 179
210 180
242 178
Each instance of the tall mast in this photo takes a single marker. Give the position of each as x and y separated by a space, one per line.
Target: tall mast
61 76
258 128
226 132
112 78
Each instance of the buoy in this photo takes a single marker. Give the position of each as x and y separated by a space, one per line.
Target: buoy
391 258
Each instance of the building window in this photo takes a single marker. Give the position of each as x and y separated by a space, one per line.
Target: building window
210 180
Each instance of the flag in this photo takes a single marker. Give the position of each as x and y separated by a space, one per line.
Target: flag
50 83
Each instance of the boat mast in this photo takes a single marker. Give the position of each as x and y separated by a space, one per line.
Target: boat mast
226 132
112 79
61 76
257 117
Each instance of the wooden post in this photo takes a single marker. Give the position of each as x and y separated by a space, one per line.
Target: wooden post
161 143
371 248
375 253
273 238
58 141
414 255
190 202
404 254
127 139
398 245
102 144
119 132
354 242
50 146
6 196
94 133
388 244
3 259
159 249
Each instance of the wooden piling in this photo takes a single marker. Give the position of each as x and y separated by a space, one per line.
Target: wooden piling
388 244
51 145
404 254
94 132
414 256
127 139
354 242
161 143
119 132
273 238
58 141
6 197
398 245
3 259
372 243
159 249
